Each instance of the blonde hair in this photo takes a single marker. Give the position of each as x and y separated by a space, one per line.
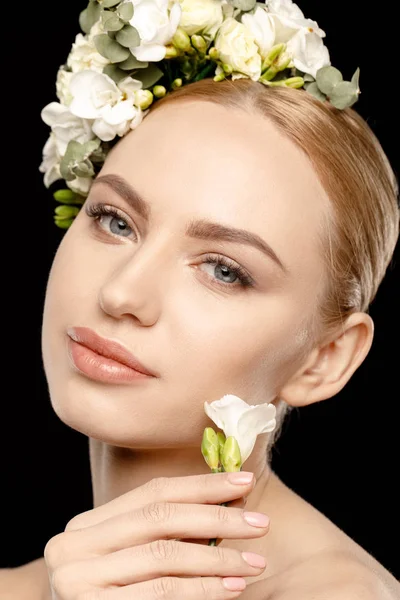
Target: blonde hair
354 172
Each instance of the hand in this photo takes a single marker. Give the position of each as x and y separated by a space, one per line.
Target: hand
128 548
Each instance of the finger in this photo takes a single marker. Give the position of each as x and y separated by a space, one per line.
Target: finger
211 488
150 523
162 558
170 588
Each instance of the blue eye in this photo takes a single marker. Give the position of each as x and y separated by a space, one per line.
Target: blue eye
117 223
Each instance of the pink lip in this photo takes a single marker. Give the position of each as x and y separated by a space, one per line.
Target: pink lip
103 359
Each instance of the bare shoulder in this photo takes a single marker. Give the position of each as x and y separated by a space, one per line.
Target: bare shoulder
333 575
27 582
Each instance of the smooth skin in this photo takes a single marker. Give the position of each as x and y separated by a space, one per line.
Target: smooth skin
147 285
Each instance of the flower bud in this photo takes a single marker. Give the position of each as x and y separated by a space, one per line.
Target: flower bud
181 40
219 77
294 82
66 212
143 98
171 52
227 69
221 441
210 448
213 53
199 43
159 91
272 55
230 457
177 83
66 196
63 223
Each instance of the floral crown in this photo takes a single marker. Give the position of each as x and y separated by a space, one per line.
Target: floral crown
133 52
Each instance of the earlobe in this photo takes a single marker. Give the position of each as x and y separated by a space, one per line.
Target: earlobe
328 367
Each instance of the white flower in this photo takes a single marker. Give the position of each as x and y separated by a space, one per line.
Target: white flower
84 54
111 107
66 126
201 17
50 165
156 25
241 420
262 26
237 48
309 52
62 86
289 19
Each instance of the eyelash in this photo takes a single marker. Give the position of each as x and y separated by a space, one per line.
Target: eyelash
96 211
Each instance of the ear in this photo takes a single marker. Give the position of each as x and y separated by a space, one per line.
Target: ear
328 367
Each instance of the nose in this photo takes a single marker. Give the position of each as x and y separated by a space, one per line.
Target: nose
136 284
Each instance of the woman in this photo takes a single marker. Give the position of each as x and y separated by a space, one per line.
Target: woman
196 251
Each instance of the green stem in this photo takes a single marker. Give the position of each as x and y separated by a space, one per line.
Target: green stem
213 541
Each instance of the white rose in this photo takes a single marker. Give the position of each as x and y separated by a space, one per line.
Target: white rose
241 420
111 107
62 86
237 48
50 165
309 52
262 26
156 25
201 17
66 126
289 19
84 54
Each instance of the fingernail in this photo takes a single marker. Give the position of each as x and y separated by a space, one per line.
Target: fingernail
234 584
256 519
241 477
254 560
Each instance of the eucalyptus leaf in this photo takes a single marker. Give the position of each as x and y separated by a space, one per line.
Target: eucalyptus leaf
110 48
243 5
111 21
125 11
148 76
344 95
355 79
109 3
328 78
89 16
312 88
306 76
115 72
83 169
132 63
128 37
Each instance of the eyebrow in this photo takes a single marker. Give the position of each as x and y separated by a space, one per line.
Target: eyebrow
199 229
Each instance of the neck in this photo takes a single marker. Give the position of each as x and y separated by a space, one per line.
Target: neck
117 470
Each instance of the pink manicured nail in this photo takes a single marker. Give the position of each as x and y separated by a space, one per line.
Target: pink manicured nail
256 519
234 584
241 477
254 560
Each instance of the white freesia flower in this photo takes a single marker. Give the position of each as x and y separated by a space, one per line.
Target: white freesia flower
50 166
156 25
66 126
237 48
84 54
262 26
111 107
62 86
309 52
241 420
202 17
289 19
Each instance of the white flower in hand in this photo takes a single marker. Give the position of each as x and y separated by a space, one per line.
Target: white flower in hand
241 420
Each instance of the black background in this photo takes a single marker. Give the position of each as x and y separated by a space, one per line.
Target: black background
341 455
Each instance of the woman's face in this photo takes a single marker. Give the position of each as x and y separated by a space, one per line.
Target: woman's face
146 282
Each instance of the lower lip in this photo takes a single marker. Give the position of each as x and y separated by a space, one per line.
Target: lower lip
99 368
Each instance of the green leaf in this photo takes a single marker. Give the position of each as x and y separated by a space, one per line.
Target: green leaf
355 79
148 76
109 3
344 95
312 88
89 16
111 21
132 63
328 78
110 48
114 72
128 37
243 5
306 76
125 11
